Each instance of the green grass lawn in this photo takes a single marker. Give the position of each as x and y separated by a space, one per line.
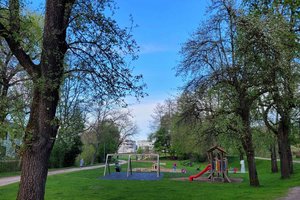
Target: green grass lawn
86 185
7 174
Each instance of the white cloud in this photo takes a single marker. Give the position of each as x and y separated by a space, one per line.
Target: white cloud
142 116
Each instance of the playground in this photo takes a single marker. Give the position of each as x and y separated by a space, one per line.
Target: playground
133 176
90 184
149 167
139 167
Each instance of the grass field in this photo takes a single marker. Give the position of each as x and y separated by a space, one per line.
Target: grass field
7 174
86 185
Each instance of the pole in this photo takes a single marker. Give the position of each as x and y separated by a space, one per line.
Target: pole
104 151
129 165
158 166
105 164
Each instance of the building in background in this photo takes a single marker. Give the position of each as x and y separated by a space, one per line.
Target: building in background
145 145
128 146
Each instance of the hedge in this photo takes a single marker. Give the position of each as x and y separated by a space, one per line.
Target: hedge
9 165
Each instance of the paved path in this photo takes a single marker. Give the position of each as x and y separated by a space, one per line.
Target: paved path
261 158
294 193
15 179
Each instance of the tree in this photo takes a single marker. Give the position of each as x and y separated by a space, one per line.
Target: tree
162 115
192 130
212 57
71 115
162 142
264 138
14 99
108 116
104 137
82 30
157 115
13 80
64 151
8 71
231 56
140 150
162 125
123 119
285 84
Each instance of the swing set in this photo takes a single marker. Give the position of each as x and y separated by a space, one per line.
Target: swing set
130 158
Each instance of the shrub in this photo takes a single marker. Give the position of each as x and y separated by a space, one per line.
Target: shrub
9 166
64 154
87 154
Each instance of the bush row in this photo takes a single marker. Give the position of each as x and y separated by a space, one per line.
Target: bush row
9 165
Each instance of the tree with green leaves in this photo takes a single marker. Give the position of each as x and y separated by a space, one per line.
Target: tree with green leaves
108 112
12 75
84 30
14 101
71 114
233 55
192 130
210 58
104 138
162 141
162 126
283 97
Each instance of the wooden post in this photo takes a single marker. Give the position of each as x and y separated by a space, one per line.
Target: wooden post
221 164
106 165
158 166
211 169
129 167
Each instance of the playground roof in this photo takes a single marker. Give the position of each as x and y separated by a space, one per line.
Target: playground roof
216 147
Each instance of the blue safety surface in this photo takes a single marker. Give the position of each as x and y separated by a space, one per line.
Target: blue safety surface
135 176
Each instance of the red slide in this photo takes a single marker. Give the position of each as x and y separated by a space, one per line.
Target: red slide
200 173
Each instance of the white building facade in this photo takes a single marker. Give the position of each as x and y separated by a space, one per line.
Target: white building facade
128 146
145 145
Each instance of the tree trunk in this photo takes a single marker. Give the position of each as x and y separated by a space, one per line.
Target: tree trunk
42 127
290 156
274 166
283 144
47 76
244 112
252 169
248 146
39 138
34 173
241 153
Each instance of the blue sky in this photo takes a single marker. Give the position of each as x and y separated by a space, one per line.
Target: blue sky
163 26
